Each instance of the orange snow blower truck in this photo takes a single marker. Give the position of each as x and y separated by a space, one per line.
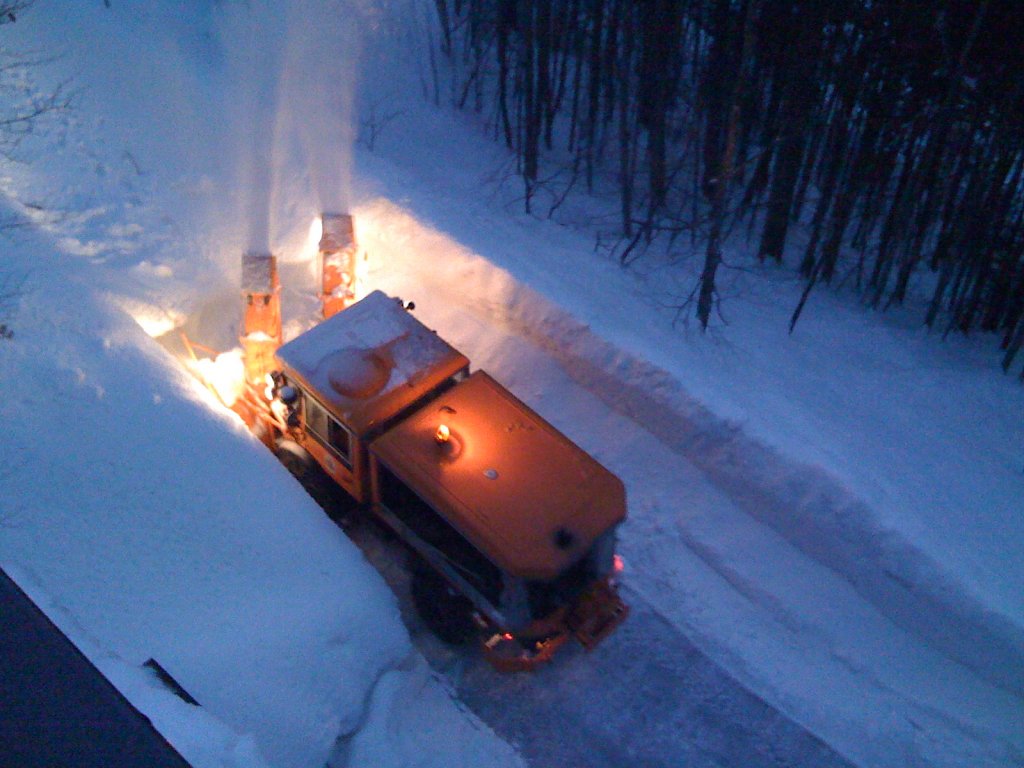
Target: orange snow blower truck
510 525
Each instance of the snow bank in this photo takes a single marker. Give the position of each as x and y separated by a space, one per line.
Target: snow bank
157 524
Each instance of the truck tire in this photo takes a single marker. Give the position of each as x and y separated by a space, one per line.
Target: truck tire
304 468
295 459
448 614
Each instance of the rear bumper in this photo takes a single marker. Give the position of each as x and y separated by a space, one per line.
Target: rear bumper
597 614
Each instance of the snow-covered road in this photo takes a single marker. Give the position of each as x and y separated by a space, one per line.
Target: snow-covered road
647 696
711 581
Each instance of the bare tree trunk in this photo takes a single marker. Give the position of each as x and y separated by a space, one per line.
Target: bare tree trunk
506 23
626 137
713 255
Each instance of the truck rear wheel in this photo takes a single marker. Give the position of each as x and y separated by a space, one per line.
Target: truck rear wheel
447 614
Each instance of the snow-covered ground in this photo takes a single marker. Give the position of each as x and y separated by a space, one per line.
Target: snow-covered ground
149 524
833 517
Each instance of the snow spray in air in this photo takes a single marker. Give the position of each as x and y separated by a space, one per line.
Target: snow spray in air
296 72
323 53
257 31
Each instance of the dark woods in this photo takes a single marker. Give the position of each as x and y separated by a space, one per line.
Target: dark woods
894 131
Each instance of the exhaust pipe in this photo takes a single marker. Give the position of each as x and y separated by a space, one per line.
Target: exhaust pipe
337 256
261 325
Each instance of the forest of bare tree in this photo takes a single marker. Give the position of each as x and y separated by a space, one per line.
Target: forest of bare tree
889 133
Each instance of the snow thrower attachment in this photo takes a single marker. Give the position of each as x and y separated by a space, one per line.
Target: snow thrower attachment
510 526
337 255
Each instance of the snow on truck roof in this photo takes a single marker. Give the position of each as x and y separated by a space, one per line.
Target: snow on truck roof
517 488
370 361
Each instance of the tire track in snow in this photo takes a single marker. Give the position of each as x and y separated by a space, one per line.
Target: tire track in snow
803 504
533 334
646 697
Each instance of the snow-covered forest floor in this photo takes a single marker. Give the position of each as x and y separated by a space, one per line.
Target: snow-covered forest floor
800 512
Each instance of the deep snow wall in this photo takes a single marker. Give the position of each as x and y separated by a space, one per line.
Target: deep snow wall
168 532
148 523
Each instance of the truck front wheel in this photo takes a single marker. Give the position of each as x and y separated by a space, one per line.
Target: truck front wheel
447 614
295 459
304 468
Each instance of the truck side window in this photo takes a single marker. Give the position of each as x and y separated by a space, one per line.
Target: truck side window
404 504
327 430
339 438
316 418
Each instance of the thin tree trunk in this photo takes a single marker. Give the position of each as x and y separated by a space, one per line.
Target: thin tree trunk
713 255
